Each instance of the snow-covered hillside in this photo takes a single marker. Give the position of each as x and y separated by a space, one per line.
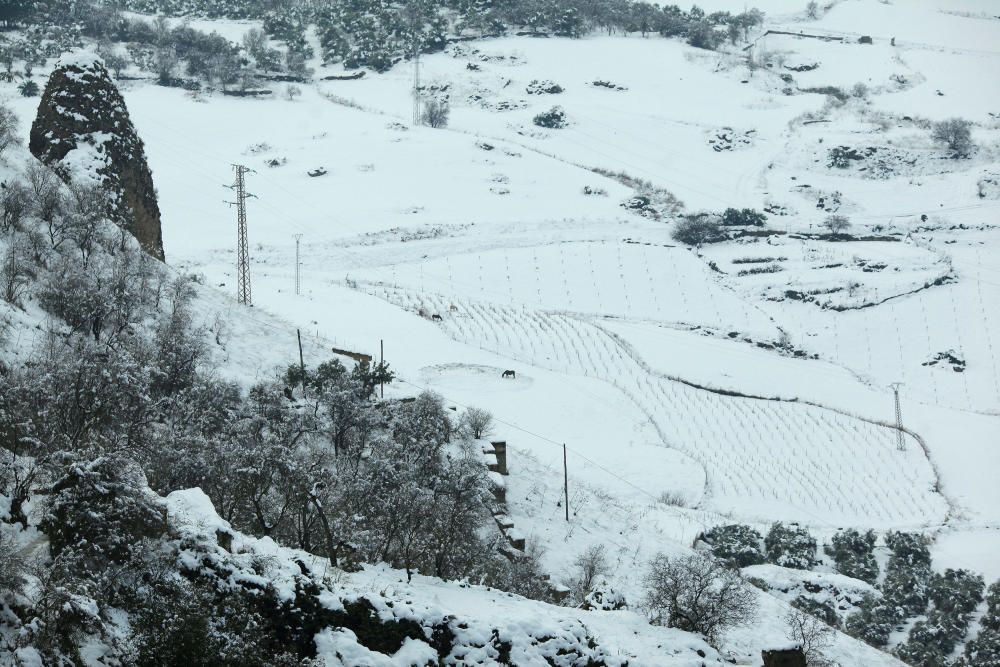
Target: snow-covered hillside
689 388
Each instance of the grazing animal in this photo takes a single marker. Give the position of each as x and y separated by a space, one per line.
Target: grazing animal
509 374
437 318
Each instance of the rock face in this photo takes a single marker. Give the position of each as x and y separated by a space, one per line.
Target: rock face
83 131
793 657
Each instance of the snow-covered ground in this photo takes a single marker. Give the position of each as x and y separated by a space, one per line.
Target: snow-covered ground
629 347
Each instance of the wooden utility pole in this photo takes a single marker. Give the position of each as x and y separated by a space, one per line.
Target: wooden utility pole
381 355
565 482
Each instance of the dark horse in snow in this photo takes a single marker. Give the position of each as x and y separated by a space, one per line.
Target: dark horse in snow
509 374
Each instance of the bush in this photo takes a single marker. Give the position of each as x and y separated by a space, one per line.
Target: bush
872 623
908 574
435 114
983 651
810 634
553 119
101 510
8 129
28 88
697 593
478 422
589 567
837 224
854 554
537 87
790 546
746 217
696 230
702 35
824 610
931 640
956 134
956 592
737 544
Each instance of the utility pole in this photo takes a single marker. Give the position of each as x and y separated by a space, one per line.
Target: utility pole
900 442
565 482
242 250
298 279
416 82
381 354
414 24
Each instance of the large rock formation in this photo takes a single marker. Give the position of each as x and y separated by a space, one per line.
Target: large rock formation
84 132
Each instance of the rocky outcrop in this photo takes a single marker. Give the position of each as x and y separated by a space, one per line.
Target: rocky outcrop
83 131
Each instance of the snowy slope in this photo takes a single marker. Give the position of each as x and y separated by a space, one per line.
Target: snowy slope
621 338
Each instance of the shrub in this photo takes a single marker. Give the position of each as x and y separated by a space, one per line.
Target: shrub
810 634
837 224
823 610
101 510
553 119
8 129
28 88
737 544
931 640
745 217
854 554
956 592
537 87
589 567
12 566
477 422
956 134
983 651
908 573
702 35
790 546
872 623
435 114
697 593
697 230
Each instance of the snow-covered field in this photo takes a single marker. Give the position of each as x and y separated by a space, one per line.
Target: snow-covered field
666 373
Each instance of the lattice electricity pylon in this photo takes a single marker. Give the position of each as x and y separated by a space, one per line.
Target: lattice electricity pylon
243 291
900 442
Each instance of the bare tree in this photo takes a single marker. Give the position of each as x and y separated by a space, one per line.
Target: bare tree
956 134
435 114
8 129
837 224
811 634
13 204
292 91
812 9
165 60
478 422
14 273
255 42
590 565
698 593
